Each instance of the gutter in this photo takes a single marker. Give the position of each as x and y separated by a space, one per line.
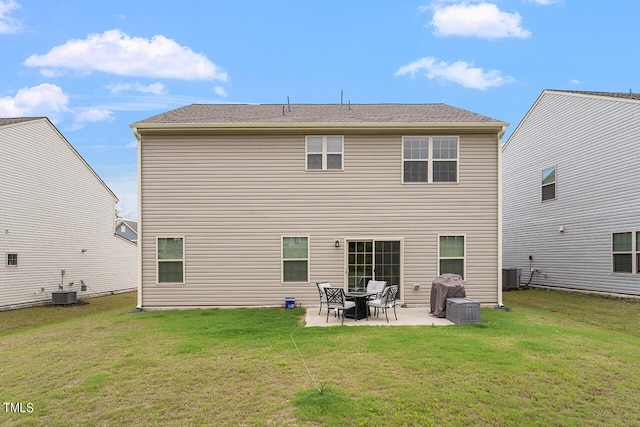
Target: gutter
140 222
499 149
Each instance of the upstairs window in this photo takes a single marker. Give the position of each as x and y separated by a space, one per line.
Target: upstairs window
12 260
324 153
549 183
430 159
415 155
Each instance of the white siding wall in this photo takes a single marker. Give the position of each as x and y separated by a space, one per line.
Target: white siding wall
53 206
595 145
233 197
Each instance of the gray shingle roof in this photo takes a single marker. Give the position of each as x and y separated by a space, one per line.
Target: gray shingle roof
10 121
620 95
316 113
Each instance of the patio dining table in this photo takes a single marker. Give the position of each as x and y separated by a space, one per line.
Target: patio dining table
361 310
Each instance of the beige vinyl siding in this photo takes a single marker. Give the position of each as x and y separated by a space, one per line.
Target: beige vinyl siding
53 206
234 197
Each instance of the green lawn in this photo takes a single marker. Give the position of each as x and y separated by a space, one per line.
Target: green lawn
556 358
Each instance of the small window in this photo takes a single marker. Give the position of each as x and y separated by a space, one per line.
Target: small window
324 152
295 259
170 260
451 255
123 228
622 252
549 183
12 260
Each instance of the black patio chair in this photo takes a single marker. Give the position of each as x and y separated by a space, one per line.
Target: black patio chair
337 301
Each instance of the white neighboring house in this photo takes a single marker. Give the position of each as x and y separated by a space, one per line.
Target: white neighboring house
571 192
55 214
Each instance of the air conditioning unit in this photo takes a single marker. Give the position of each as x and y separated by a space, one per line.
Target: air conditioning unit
511 278
63 297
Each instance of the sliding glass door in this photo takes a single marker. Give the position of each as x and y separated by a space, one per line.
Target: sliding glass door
373 259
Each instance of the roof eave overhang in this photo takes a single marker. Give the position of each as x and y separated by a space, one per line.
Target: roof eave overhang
309 127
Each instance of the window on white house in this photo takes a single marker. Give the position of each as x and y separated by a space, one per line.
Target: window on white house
12 260
430 159
637 251
622 252
295 259
123 228
451 255
549 183
170 260
325 152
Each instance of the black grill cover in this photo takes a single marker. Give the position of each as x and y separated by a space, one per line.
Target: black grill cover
443 287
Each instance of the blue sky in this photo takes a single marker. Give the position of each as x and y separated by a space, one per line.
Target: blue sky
96 67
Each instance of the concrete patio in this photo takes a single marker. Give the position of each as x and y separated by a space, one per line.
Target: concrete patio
407 316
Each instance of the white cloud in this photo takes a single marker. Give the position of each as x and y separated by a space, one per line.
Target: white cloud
92 115
125 187
219 90
575 82
482 20
42 100
545 2
9 25
154 88
117 53
132 144
458 72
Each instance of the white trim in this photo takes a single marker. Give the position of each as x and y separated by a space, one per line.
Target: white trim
499 272
308 259
139 230
184 264
464 259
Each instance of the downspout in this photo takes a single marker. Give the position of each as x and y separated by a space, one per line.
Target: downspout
139 138
500 135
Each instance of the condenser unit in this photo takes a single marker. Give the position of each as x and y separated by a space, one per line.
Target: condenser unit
63 297
511 278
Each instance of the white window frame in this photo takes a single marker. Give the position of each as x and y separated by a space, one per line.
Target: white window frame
282 258
464 257
6 259
634 252
325 153
158 261
430 159
554 183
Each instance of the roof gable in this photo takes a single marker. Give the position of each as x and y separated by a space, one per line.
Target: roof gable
26 120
